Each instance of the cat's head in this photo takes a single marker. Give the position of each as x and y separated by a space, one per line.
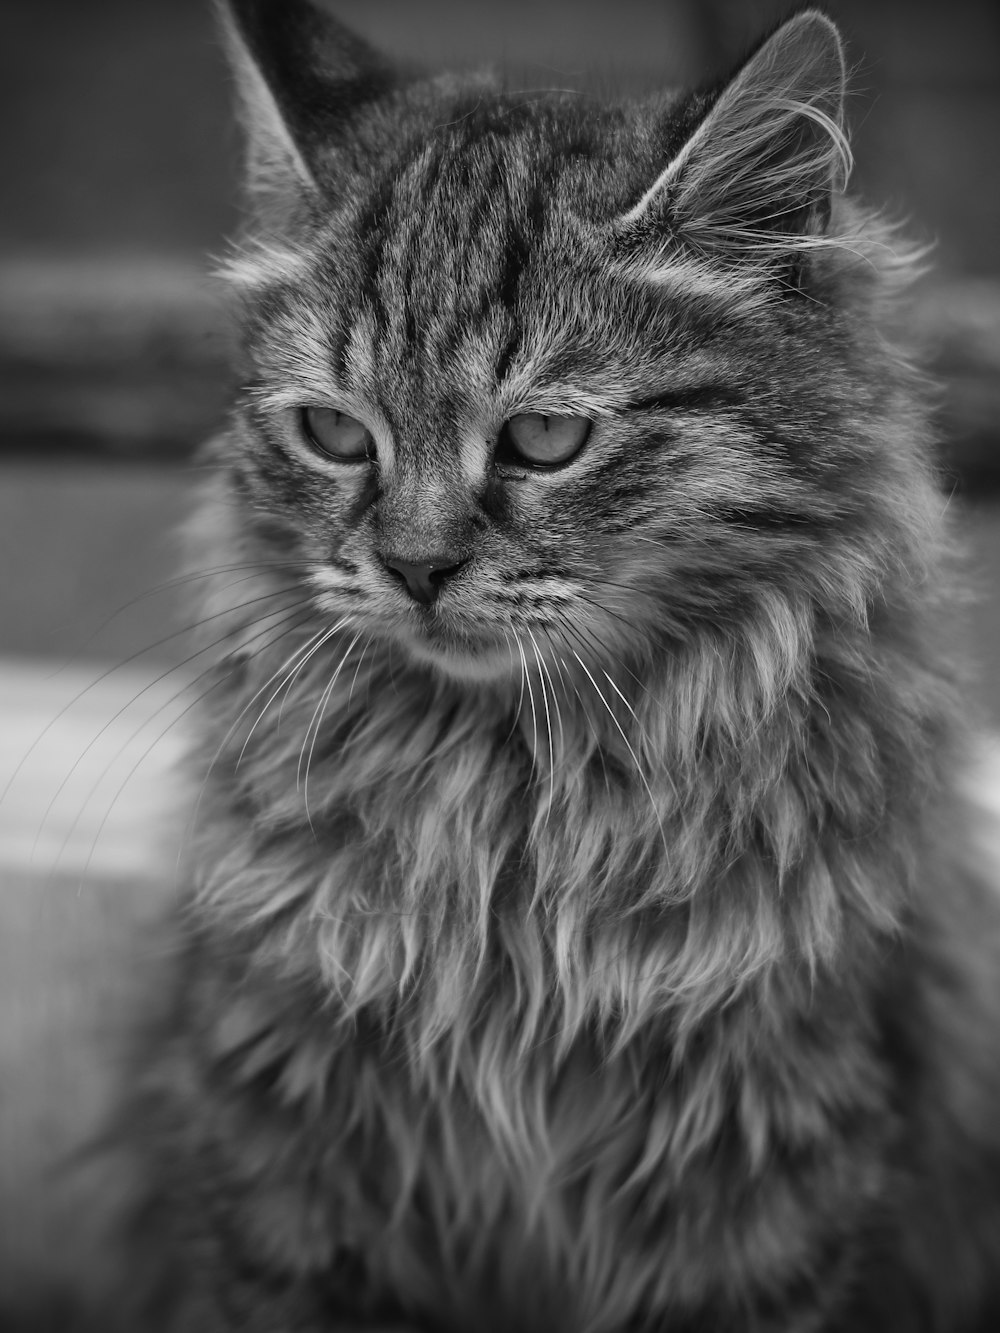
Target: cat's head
533 373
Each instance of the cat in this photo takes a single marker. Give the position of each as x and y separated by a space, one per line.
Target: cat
589 928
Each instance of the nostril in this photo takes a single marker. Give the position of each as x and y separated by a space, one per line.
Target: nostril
424 578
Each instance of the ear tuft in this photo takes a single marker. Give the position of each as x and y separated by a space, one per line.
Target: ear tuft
758 174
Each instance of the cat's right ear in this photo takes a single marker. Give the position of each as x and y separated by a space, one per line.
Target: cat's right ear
300 76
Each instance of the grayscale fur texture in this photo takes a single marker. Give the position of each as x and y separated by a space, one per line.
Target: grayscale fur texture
608 945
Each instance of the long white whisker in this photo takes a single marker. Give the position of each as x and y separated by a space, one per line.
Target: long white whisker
169 585
559 664
628 746
317 719
555 697
590 722
126 661
579 634
302 766
548 721
517 708
341 623
642 729
520 697
531 699
130 774
161 708
354 679
287 665
604 650
231 729
287 680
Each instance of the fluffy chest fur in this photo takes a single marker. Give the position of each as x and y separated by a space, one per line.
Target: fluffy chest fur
616 859
588 1010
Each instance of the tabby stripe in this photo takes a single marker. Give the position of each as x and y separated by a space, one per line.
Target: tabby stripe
767 519
696 398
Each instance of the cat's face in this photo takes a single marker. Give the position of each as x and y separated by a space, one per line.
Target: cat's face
499 410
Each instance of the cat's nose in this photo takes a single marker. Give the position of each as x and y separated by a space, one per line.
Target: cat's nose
424 580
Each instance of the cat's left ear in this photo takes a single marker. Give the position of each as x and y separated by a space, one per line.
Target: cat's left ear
758 174
300 78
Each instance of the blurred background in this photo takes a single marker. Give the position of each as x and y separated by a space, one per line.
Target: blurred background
118 166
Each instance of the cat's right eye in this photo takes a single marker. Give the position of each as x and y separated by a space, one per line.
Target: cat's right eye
337 435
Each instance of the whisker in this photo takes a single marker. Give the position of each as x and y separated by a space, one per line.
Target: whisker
157 680
628 746
590 721
642 730
354 679
129 776
317 713
287 666
180 580
203 694
548 724
634 630
507 631
531 699
231 729
126 661
324 700
324 637
555 697
287 680
618 661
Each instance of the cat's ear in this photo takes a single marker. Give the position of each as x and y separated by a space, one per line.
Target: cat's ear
300 76
759 172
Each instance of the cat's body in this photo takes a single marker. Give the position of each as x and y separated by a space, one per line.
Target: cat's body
589 931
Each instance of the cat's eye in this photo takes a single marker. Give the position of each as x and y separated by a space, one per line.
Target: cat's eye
541 441
337 435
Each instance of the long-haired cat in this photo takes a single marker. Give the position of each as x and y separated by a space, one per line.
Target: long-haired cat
588 930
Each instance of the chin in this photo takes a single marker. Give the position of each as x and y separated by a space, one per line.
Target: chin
463 658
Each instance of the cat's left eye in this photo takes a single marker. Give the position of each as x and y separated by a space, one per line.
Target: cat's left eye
337 435
541 441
